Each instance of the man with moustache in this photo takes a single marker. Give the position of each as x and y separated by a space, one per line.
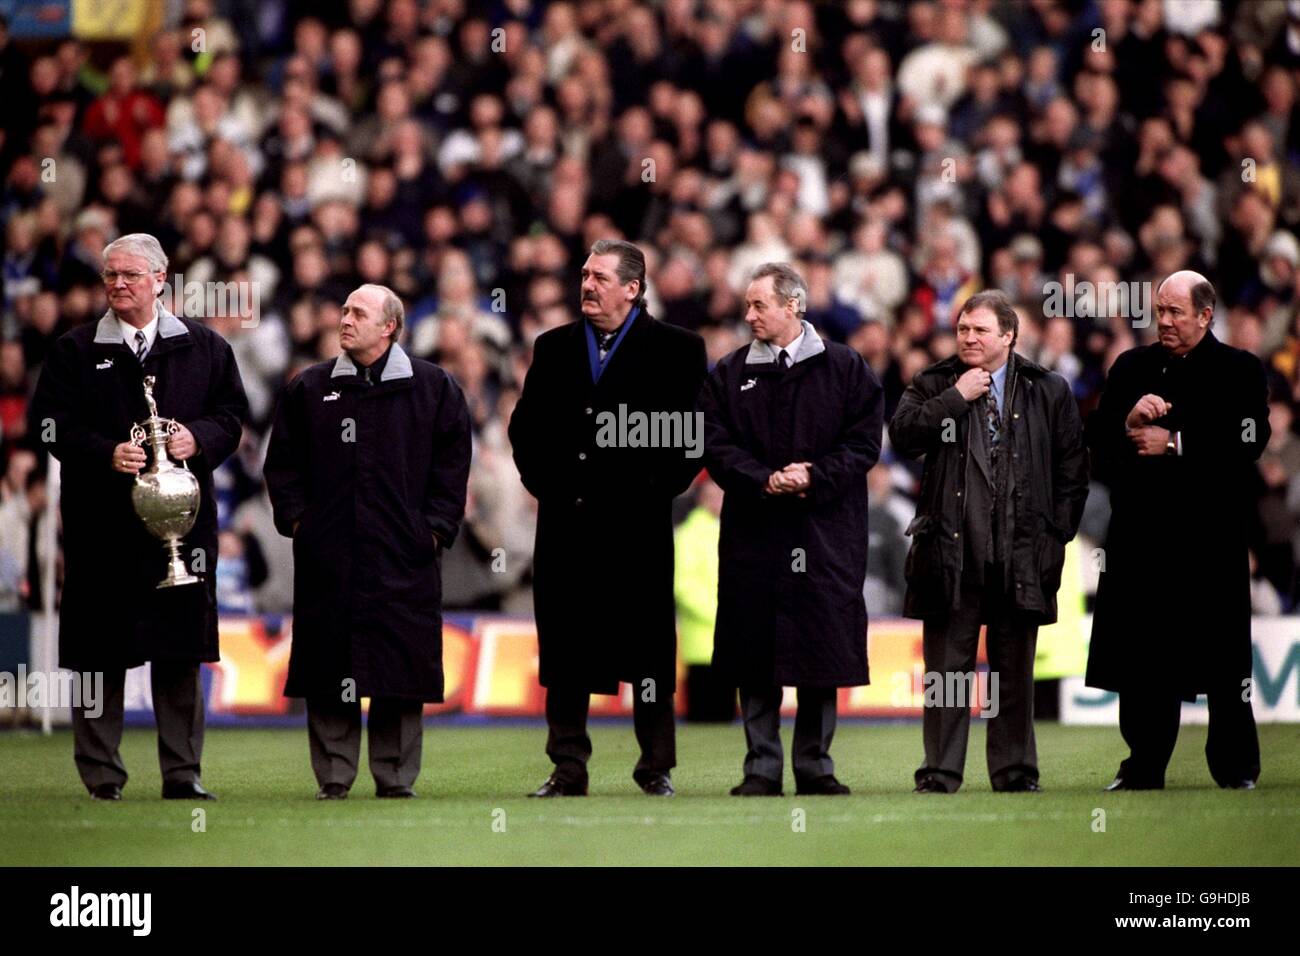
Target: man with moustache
112 615
603 563
1180 425
367 469
1002 491
792 426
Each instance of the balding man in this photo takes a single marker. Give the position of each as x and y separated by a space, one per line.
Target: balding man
367 470
1180 425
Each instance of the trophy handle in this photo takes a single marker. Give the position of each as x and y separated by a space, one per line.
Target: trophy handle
138 435
173 426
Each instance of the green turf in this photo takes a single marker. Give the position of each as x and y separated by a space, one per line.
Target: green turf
475 776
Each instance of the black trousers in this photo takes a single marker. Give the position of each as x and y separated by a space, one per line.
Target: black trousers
950 645
1149 723
569 746
178 713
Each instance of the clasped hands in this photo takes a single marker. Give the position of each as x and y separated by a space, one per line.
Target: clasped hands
1149 439
793 479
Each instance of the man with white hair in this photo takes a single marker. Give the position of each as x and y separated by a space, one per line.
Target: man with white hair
367 470
113 615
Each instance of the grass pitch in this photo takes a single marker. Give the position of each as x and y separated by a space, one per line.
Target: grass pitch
471 808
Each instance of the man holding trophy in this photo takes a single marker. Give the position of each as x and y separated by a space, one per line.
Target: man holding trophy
140 408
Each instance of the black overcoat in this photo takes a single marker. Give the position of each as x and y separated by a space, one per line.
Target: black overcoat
369 474
1049 472
1173 601
89 394
790 570
603 562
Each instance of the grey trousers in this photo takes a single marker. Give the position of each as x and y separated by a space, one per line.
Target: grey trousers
395 732
814 728
950 645
178 714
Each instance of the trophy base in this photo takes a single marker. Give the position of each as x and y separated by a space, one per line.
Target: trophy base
177 575
176 582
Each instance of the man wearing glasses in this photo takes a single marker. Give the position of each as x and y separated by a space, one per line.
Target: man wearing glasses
113 616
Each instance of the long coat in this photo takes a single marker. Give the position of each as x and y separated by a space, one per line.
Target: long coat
368 474
1049 484
603 562
88 395
791 569
1173 601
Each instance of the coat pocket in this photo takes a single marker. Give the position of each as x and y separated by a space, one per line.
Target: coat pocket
1051 562
923 556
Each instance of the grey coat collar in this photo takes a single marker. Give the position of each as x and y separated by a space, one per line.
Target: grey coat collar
108 332
397 366
765 352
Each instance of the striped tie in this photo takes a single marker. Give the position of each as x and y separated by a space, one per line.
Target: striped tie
140 347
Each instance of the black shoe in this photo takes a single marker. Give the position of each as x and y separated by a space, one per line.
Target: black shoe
756 786
556 787
1239 785
332 791
930 785
106 791
186 790
1125 783
394 793
825 786
658 785
1020 785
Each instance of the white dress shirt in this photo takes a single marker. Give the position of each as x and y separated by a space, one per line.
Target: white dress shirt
150 333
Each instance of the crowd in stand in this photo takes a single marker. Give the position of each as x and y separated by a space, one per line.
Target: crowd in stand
901 156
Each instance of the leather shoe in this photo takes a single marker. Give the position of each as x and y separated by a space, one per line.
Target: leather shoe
1122 783
394 793
930 785
1239 785
106 791
186 790
1021 785
332 791
824 786
658 785
556 787
756 786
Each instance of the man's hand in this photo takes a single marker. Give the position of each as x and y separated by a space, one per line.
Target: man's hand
128 458
777 484
1147 410
794 478
1150 440
799 475
974 383
182 445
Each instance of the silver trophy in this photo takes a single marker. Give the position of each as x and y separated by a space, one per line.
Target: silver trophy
166 494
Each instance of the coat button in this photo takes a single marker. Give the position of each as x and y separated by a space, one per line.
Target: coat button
959 494
578 503
956 534
582 456
1015 414
588 411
